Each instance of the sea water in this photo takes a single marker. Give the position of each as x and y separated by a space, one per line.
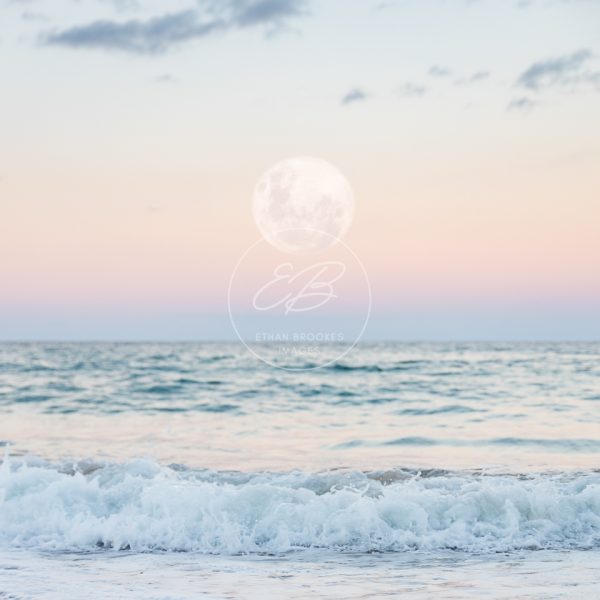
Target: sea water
193 470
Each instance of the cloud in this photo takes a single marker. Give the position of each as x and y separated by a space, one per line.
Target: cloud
354 95
411 90
266 11
385 4
34 17
547 3
158 34
437 71
559 71
478 76
147 37
522 104
150 37
165 78
123 5
473 78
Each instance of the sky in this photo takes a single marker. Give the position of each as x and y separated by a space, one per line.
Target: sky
132 134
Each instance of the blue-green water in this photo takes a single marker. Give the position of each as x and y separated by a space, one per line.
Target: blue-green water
426 468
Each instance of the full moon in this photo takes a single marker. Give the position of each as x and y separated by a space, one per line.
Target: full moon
303 205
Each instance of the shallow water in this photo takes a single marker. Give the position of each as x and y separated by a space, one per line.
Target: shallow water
192 470
309 574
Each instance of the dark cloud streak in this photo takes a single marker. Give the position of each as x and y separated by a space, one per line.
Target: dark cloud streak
267 11
147 37
354 95
522 104
159 34
558 71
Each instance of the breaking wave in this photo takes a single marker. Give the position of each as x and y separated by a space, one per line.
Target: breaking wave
143 506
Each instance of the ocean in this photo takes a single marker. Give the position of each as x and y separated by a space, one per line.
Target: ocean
413 470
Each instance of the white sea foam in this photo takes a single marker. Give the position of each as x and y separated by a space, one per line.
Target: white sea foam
142 506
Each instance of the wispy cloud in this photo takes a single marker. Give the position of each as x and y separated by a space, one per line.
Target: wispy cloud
521 104
149 37
475 77
385 4
123 5
559 71
158 34
258 12
411 90
547 3
437 71
165 78
34 17
354 95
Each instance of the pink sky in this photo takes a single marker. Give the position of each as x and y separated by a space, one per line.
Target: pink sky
470 191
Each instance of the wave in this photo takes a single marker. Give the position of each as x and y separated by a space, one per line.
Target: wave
142 506
401 365
570 445
449 408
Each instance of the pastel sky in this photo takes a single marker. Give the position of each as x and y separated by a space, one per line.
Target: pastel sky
132 134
